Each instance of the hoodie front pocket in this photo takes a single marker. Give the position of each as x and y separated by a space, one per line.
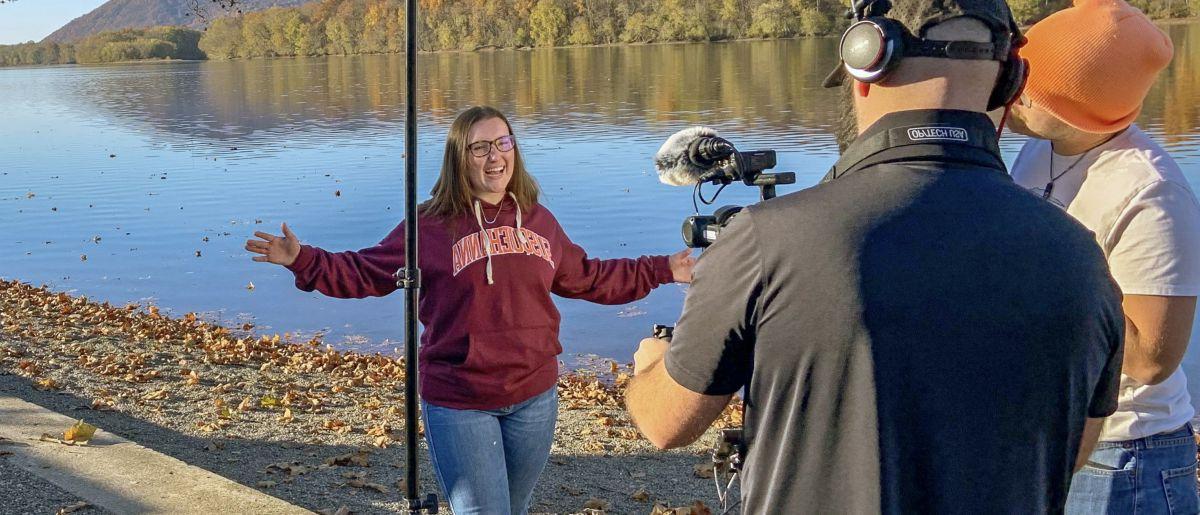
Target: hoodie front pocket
511 353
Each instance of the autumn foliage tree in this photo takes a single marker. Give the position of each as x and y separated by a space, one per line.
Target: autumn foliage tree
343 27
340 27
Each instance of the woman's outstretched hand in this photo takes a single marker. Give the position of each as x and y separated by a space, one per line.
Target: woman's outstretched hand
681 265
281 250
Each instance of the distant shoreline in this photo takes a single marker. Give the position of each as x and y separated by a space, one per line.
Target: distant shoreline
491 49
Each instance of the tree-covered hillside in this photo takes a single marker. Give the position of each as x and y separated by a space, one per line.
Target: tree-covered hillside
125 14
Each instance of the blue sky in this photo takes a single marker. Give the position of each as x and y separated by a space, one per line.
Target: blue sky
25 20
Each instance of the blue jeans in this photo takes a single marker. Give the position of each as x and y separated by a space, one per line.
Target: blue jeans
487 461
1148 476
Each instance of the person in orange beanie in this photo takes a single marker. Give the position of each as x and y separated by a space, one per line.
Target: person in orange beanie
1091 66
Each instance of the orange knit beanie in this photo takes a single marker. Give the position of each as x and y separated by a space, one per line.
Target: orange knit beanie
1091 65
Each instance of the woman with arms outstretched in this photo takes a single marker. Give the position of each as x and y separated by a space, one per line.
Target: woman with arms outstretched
490 256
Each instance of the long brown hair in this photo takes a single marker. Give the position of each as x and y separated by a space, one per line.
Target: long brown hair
452 191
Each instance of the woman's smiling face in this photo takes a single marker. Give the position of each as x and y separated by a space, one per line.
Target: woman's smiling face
490 173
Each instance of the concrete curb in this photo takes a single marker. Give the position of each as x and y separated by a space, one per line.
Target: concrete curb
119 475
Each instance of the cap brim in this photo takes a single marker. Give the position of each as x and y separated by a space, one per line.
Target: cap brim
836 78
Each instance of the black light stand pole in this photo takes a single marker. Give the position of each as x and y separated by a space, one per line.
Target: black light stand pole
409 277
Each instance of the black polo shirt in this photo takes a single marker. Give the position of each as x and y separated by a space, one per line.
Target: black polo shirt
916 334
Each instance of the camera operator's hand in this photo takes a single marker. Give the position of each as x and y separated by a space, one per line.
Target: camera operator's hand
649 352
681 265
281 250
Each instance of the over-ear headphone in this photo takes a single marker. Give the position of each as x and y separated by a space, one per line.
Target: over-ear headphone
1014 71
874 45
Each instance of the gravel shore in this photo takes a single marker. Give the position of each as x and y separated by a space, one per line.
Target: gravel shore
301 421
26 494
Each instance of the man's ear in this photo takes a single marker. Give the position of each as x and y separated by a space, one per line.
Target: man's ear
862 89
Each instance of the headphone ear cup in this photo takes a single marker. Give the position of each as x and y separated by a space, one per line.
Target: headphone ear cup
871 48
1009 84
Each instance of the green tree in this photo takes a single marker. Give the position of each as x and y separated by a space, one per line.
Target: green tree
772 19
222 39
680 21
581 33
639 28
547 23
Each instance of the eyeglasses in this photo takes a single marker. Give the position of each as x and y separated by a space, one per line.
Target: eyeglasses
483 148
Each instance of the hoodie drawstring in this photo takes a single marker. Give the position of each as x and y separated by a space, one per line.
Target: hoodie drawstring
487 242
520 234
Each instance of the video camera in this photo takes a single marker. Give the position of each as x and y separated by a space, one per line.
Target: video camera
698 156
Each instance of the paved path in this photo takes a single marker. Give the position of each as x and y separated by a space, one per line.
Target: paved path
118 475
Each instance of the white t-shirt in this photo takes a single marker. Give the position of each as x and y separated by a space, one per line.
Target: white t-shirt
1147 220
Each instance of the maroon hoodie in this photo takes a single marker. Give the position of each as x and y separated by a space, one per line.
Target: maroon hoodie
485 345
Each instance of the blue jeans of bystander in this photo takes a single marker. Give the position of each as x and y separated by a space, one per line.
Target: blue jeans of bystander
1148 476
487 461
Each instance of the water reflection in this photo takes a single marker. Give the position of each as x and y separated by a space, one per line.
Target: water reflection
768 87
771 87
203 154
1171 108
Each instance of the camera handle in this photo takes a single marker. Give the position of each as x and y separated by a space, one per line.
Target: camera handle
766 183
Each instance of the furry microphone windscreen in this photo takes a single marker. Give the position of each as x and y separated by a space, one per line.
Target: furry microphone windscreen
672 162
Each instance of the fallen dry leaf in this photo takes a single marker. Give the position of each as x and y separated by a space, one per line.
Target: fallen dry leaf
247 404
357 459
696 508
81 432
595 504
337 425
72 508
293 468
47 437
266 484
640 495
157 395
207 427
286 416
703 470
47 383
104 404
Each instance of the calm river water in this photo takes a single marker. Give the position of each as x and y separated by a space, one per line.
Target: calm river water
159 172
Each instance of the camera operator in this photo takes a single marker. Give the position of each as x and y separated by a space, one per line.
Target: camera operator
916 333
